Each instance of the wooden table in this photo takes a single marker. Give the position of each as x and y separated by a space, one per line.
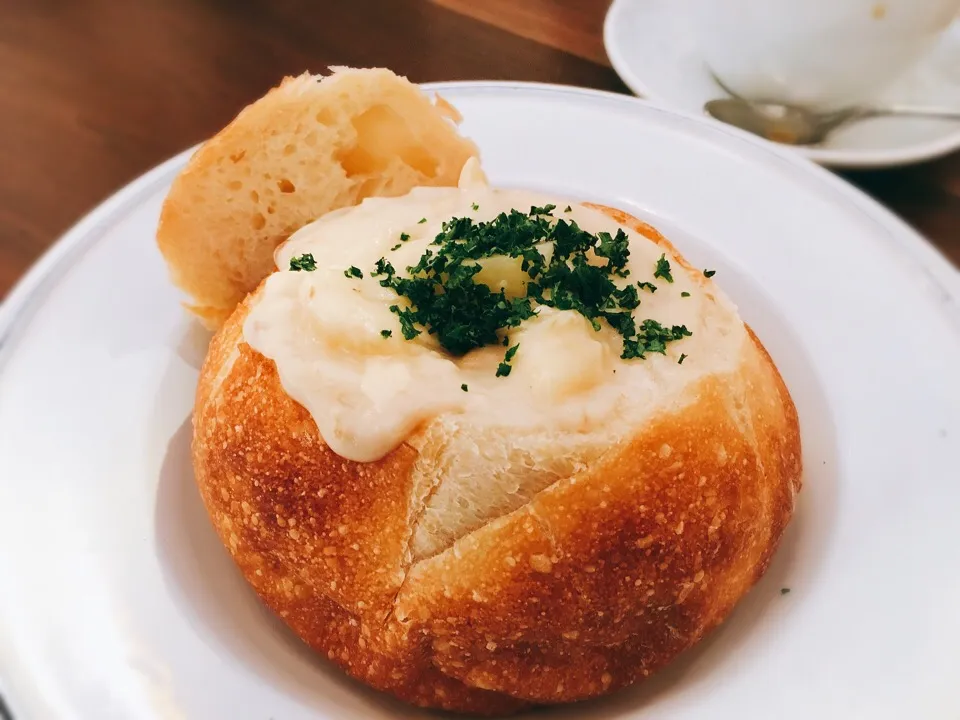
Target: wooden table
94 92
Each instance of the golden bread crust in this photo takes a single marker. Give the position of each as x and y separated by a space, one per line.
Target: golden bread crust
597 582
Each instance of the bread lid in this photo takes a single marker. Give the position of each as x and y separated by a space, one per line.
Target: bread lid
311 145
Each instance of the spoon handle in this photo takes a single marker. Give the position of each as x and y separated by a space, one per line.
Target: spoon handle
911 110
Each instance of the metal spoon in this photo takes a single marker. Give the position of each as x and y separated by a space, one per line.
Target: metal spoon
796 126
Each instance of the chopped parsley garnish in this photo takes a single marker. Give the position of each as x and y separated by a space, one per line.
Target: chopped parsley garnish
464 387
577 272
353 272
386 333
304 262
709 273
475 206
421 221
784 591
652 337
404 237
684 294
382 268
504 368
616 250
568 209
663 269
683 356
396 247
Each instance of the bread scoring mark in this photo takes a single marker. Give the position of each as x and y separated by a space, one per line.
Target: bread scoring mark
420 502
460 505
225 369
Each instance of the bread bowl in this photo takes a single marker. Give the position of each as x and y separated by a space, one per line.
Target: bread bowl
556 549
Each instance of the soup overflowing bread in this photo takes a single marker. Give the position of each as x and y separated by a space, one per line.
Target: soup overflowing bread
488 448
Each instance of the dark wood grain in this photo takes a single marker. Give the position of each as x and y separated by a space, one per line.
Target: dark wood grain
575 26
95 92
927 196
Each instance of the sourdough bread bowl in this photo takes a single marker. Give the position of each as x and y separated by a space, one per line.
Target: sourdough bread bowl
531 501
478 567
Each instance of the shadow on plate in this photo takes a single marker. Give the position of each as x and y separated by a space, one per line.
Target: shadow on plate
193 343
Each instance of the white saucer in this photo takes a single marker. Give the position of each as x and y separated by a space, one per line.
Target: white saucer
652 48
118 601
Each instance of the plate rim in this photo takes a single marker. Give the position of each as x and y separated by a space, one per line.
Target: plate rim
851 159
26 295
16 306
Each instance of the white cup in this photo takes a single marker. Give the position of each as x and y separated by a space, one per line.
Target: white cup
821 54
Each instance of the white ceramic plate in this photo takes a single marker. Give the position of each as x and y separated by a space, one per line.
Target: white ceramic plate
118 601
652 47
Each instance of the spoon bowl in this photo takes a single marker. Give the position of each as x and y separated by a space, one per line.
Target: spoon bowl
794 125
786 124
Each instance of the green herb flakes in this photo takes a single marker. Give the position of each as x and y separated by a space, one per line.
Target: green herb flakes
464 387
404 237
386 333
421 221
383 267
709 273
663 269
304 262
444 298
353 272
683 356
616 250
684 294
504 368
652 337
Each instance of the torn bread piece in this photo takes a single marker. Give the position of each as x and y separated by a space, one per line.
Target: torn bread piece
309 146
